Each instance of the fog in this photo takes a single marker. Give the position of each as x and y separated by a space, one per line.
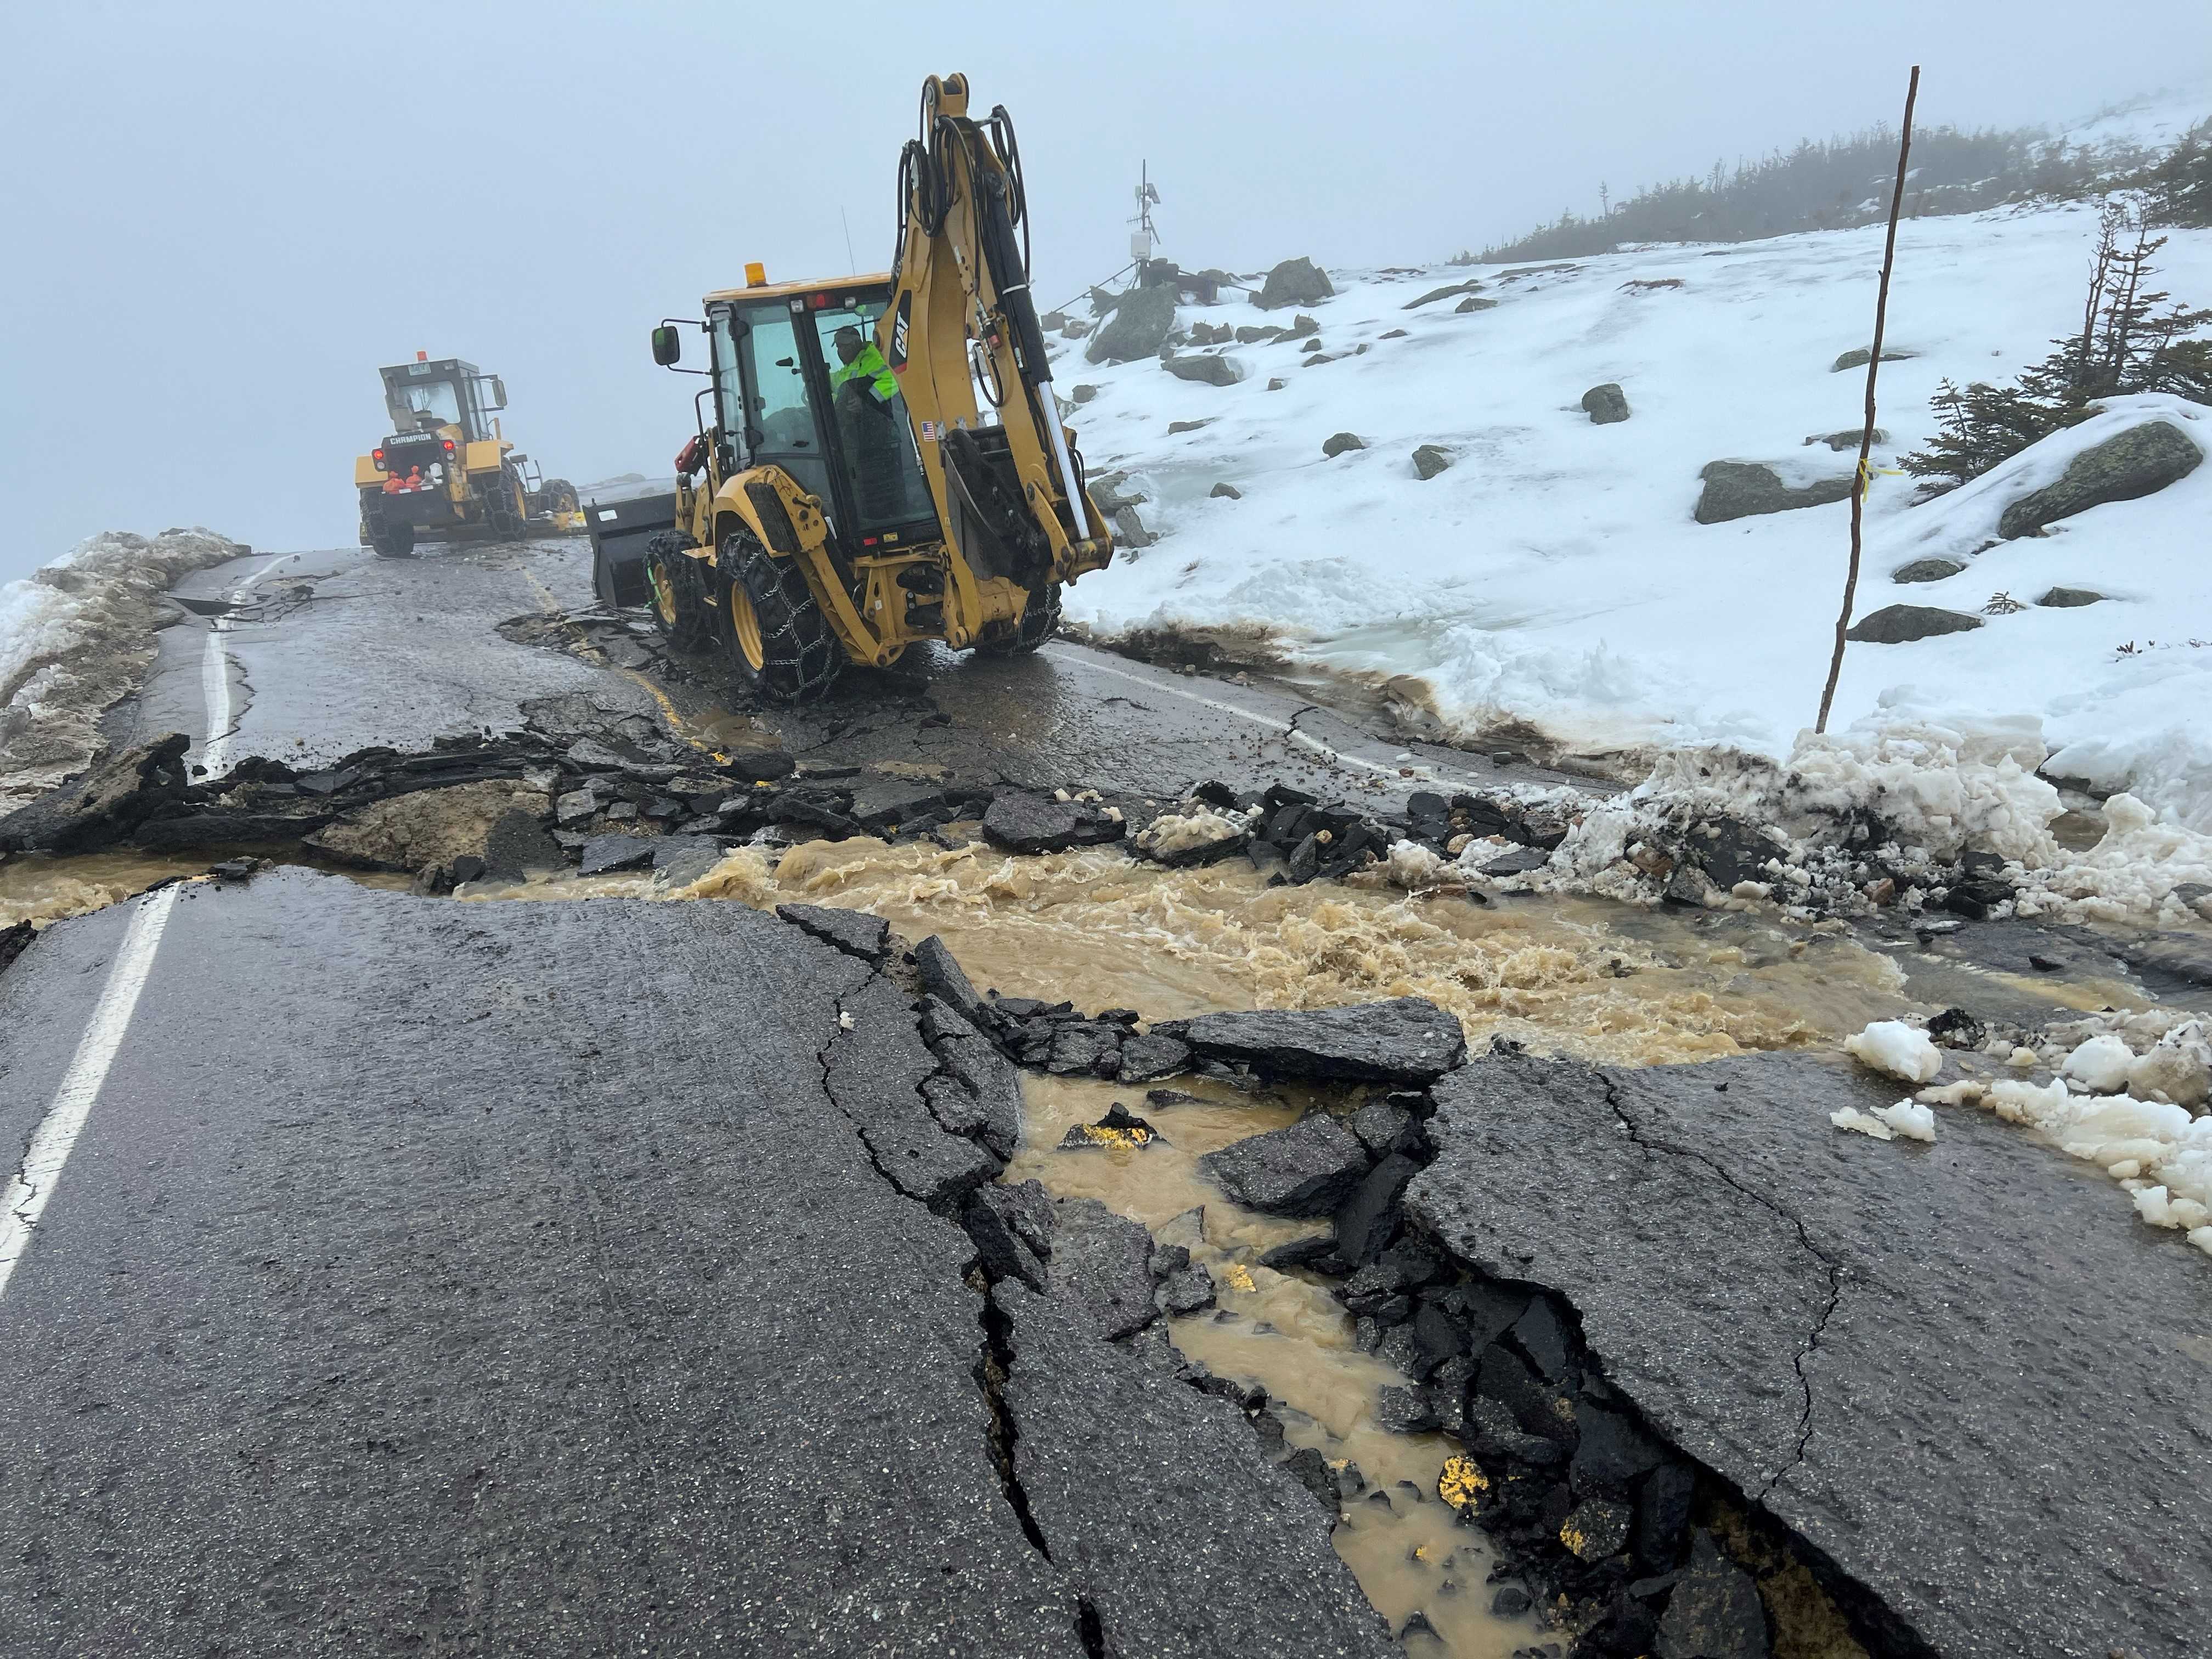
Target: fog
221 219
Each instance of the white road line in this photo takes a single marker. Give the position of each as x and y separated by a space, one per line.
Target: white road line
215 677
1311 744
32 1186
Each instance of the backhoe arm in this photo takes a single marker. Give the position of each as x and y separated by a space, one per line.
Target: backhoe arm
962 312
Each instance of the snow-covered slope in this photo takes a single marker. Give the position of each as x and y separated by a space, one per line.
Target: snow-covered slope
1554 574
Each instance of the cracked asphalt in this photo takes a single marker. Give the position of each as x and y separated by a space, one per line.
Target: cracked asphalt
1965 1373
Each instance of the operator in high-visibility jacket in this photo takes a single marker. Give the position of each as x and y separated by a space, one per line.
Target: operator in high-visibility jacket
864 368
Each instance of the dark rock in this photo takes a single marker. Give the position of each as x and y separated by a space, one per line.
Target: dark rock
1102 1264
1606 405
1510 1602
2070 599
1310 1469
1954 1028
1435 1337
1277 383
235 869
1503 1376
105 803
1407 1040
1294 282
1474 302
1429 461
1143 318
1169 1258
603 854
1402 1411
1306 1169
1610 1452
1368 1220
1298 1253
1369 1288
1208 369
1341 443
14 941
1663 1514
1176 428
853 932
1849 438
1188 1290
2138 462
1978 899
1019 822
1596 1528
1743 489
1715 1611
1226 492
1085 1049
1381 1125
467 868
1860 356
1521 861
1148 1056
760 765
1445 292
1083 394
1926 570
1544 1339
1120 1129
1900 624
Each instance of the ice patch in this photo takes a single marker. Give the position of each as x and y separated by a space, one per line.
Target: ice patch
1892 1047
1907 1118
2100 1065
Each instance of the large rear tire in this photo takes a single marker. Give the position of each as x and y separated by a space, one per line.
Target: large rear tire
559 495
1039 622
390 535
780 644
683 608
505 508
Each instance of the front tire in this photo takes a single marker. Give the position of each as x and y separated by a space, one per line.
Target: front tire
782 644
505 508
1039 622
683 609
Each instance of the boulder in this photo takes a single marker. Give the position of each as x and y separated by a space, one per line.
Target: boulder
1228 492
1848 438
1294 282
1606 405
1474 302
1143 318
1429 461
1277 383
1129 529
2068 598
1176 428
1208 370
1926 570
1407 1040
1900 624
1302 325
1859 356
1445 292
1743 489
1307 1169
2138 462
1082 394
1341 443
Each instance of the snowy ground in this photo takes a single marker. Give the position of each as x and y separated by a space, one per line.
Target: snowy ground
1554 574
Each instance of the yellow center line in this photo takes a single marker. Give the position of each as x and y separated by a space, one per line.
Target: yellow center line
555 607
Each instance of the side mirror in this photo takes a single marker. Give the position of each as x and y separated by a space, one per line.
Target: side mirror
498 392
667 346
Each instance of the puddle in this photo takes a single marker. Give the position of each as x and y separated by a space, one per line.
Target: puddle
1286 1334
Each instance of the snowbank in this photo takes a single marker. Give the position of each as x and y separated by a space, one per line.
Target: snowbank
1553 578
75 635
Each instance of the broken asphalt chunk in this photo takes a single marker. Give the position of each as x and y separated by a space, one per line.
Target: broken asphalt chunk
1407 1040
1306 1169
1019 822
603 854
1102 1264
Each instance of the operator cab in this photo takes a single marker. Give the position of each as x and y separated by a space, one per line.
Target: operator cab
790 393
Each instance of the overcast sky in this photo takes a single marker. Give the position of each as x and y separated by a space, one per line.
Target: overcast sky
219 218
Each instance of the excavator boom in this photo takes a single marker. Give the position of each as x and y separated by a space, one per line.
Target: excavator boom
1009 492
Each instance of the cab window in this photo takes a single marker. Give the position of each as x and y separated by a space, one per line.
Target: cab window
779 416
889 489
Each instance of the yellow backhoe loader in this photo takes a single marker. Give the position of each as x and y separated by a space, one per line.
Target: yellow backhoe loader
847 492
446 472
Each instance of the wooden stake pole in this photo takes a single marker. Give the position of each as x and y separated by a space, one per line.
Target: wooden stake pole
1866 437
